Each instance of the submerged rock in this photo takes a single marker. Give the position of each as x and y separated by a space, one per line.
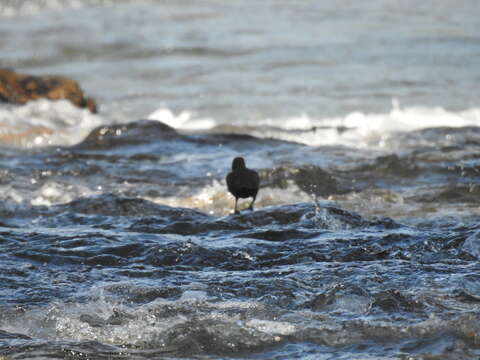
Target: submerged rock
134 133
19 88
310 178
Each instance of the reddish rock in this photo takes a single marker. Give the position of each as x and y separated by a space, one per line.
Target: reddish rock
21 88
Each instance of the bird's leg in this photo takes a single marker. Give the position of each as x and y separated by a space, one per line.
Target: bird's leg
251 204
236 211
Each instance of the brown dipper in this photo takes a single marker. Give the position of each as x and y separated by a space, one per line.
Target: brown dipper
242 182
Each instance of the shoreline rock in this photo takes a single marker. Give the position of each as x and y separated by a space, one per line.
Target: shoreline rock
17 88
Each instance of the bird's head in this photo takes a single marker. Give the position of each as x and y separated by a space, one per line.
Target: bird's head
238 163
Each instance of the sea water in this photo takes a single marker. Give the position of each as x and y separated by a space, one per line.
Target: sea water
117 238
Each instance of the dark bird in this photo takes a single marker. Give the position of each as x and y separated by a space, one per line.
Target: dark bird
242 182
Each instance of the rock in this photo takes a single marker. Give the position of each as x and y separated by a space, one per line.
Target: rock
309 178
20 88
133 133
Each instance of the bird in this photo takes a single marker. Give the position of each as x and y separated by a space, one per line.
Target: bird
242 182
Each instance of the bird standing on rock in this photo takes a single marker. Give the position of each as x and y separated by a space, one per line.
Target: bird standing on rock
242 182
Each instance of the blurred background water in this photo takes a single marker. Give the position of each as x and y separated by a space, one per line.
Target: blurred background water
362 118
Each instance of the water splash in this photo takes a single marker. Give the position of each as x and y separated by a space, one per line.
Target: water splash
183 121
43 123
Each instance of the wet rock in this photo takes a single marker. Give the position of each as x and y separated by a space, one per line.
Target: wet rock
311 179
111 205
133 133
391 165
19 88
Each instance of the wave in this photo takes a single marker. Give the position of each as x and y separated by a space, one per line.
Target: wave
198 324
140 213
58 123
45 123
356 129
185 120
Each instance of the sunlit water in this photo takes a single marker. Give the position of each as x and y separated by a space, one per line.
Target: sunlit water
117 238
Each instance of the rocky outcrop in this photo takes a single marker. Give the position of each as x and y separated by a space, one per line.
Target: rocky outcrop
310 178
20 88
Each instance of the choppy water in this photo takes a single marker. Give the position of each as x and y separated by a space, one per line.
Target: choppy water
116 234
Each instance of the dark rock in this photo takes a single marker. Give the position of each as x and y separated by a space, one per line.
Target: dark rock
133 133
392 165
310 178
19 88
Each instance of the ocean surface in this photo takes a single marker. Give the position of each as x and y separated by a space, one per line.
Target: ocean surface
117 233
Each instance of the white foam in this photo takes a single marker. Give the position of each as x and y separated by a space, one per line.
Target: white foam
356 129
272 327
359 129
58 193
193 296
50 193
141 325
215 200
12 200
184 120
44 123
